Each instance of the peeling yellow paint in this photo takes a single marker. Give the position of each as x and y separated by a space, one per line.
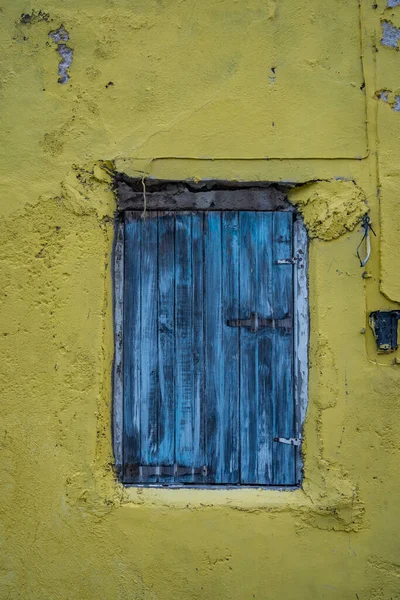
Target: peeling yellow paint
244 91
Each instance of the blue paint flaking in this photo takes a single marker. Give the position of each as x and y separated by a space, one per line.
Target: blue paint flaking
396 105
390 35
60 36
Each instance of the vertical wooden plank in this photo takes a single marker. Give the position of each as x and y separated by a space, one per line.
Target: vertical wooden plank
183 342
214 341
118 368
149 397
301 333
228 406
132 346
199 459
264 340
166 341
248 349
284 416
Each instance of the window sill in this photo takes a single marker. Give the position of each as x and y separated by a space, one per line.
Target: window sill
251 497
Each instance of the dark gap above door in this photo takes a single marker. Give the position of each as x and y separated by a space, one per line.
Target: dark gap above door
204 195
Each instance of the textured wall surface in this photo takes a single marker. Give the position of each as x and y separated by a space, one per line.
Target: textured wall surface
286 91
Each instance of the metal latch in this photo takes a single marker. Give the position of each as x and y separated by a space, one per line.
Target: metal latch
291 441
293 260
255 323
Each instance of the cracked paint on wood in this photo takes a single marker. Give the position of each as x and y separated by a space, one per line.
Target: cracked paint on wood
200 392
191 81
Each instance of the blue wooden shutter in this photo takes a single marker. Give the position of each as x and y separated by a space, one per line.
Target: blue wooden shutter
203 397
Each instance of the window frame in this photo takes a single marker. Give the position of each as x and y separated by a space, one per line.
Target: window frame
300 346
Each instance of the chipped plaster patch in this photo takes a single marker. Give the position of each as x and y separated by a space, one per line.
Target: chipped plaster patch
87 190
329 208
390 35
60 36
392 3
390 98
396 105
382 95
34 17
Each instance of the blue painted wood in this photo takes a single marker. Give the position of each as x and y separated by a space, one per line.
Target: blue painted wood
267 402
199 404
214 343
184 380
196 391
228 406
283 457
265 341
132 342
248 349
149 390
222 349
166 341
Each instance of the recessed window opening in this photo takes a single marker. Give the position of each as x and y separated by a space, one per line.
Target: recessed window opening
211 325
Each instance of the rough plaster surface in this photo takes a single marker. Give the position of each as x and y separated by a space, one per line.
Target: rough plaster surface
329 208
150 79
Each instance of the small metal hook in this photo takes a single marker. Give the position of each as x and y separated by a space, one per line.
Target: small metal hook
366 225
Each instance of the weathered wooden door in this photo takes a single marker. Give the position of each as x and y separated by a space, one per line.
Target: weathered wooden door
208 348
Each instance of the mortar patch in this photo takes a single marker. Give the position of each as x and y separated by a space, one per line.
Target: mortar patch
329 208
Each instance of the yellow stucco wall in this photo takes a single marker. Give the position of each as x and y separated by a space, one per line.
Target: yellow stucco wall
236 89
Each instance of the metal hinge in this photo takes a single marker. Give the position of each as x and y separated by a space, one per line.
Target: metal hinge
255 323
174 470
291 441
293 260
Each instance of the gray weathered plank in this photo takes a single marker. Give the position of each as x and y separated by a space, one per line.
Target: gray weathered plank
301 333
118 367
177 198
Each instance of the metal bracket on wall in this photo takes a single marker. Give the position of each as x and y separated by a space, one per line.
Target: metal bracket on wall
384 324
366 225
